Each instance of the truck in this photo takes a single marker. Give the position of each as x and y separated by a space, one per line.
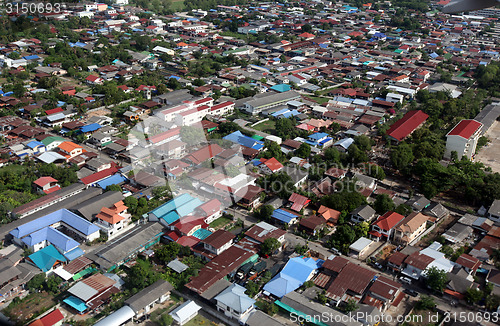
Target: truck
243 271
257 269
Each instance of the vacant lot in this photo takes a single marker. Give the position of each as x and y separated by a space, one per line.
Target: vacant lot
29 307
489 155
266 126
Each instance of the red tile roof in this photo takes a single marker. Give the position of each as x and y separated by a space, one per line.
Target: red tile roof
272 163
43 181
352 277
298 201
388 220
205 153
407 124
465 128
52 318
468 261
95 177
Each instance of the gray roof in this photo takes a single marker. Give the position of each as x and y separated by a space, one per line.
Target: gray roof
438 210
495 208
273 98
83 291
468 219
259 318
177 266
215 289
458 282
115 251
295 173
365 211
487 116
149 295
301 303
457 233
235 297
93 206
418 202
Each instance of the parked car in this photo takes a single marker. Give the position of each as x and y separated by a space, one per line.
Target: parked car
413 293
405 280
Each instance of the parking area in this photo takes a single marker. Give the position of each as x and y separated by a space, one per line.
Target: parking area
489 155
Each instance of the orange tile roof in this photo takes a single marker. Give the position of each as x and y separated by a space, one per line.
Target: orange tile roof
112 215
68 146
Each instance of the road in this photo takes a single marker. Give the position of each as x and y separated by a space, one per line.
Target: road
243 124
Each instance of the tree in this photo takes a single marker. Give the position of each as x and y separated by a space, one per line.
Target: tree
402 156
192 135
52 284
306 28
343 237
383 203
321 297
492 302
363 142
252 289
473 295
131 202
426 303
36 283
375 171
269 246
166 319
303 151
113 188
168 252
350 306
356 155
403 209
264 212
436 279
331 155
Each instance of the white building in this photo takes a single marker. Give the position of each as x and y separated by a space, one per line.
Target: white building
234 302
114 220
185 312
463 139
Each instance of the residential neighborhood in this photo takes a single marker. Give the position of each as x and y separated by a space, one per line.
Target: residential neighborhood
249 163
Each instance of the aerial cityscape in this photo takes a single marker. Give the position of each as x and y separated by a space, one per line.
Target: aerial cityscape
236 162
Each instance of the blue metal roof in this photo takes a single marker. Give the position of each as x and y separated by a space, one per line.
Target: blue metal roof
238 138
283 215
201 234
45 258
112 180
91 127
75 303
31 57
34 143
317 136
73 254
63 215
55 237
281 87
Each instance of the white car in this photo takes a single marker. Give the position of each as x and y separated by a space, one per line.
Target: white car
405 280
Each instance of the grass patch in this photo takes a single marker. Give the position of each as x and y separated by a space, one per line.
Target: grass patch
177 5
319 99
30 307
268 126
221 221
200 320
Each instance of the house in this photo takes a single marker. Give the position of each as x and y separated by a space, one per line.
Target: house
46 185
53 318
234 302
360 247
262 231
210 210
218 241
382 293
100 138
285 216
145 300
335 173
47 259
298 202
311 225
174 209
94 80
395 261
494 211
296 272
405 126
249 197
114 220
410 228
469 264
92 292
418 203
270 166
258 104
351 283
185 312
69 150
330 215
364 213
298 175
463 139
383 227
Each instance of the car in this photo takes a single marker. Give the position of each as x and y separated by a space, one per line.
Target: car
413 293
378 265
405 280
336 251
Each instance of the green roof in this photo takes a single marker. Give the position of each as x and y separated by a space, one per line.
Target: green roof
81 274
257 137
46 258
51 139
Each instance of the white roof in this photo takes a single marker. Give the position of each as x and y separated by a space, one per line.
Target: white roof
117 318
62 273
50 157
360 244
83 291
184 311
